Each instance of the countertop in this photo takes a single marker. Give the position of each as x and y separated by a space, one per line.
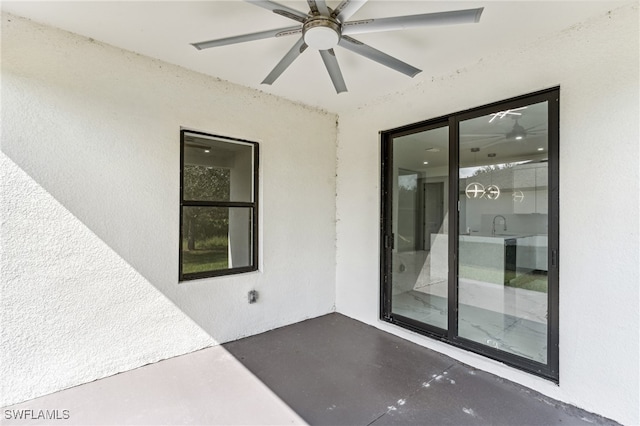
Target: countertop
498 238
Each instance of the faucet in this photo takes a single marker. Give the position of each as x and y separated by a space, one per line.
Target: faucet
504 221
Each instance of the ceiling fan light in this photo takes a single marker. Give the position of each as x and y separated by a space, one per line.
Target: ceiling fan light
518 132
321 38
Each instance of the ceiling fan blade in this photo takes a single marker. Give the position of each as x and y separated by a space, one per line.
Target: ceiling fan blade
319 6
279 9
496 142
485 143
378 56
330 61
467 16
287 60
537 125
347 8
489 145
247 37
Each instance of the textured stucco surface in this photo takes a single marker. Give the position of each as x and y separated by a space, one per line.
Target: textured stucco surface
90 213
90 167
71 308
596 65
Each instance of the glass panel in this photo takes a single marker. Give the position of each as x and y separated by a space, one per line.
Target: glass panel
216 238
215 170
420 217
502 253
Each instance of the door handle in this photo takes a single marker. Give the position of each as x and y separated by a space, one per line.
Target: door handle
388 241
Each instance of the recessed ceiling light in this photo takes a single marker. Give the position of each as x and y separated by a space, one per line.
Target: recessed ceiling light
206 151
426 162
540 149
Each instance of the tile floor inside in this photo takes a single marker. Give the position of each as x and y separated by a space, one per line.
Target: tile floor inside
510 333
492 312
330 370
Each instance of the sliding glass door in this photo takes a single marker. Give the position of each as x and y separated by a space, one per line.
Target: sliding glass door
470 230
419 240
503 230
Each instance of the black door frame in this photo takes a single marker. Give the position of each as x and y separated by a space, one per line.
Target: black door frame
551 369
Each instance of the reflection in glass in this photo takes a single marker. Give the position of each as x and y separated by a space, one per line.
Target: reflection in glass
503 222
206 183
420 209
215 238
216 170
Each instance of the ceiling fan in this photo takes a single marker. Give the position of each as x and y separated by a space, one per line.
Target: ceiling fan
516 133
323 28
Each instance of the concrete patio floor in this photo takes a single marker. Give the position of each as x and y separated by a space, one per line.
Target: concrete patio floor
330 370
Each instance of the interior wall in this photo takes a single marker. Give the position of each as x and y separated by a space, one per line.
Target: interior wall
90 211
596 65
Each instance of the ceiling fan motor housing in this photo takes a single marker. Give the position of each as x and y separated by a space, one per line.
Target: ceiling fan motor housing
321 32
518 132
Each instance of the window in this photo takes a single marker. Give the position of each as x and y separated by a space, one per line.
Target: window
218 205
469 238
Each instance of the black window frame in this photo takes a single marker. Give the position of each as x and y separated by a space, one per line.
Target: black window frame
549 371
253 205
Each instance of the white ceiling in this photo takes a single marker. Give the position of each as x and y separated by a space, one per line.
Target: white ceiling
165 29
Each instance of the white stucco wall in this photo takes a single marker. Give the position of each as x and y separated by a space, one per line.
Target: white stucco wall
89 169
596 64
90 214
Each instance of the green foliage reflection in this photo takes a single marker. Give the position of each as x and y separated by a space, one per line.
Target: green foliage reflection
205 229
